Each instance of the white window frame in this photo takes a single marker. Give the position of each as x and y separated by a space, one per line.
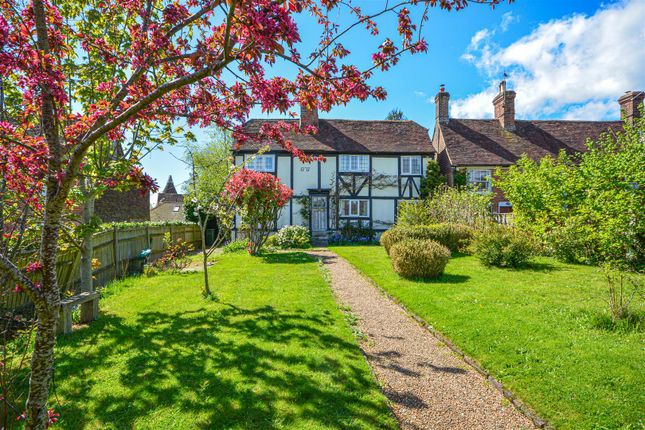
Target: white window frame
407 170
354 163
481 179
259 163
351 205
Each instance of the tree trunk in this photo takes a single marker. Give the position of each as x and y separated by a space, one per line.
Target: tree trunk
42 359
206 291
42 362
87 254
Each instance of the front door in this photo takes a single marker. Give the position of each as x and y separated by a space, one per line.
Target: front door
318 213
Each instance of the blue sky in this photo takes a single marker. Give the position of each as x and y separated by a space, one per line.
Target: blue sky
566 59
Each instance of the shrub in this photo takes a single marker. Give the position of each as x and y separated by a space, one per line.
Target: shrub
446 205
175 255
419 258
503 246
236 246
292 236
455 237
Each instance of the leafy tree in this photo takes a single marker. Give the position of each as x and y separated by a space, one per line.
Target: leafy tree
460 178
203 62
212 166
395 114
589 208
432 181
259 198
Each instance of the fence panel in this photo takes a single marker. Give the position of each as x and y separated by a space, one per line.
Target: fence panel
114 249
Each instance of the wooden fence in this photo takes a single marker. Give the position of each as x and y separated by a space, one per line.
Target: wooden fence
116 250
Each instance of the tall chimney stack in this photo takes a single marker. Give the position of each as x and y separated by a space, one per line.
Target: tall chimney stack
504 103
630 105
442 103
308 116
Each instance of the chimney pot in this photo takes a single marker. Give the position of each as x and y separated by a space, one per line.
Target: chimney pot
308 116
504 104
442 105
630 105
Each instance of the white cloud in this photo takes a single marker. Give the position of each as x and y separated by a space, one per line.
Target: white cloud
507 19
420 94
574 67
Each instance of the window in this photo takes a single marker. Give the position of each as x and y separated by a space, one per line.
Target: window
480 179
354 163
261 163
411 165
354 207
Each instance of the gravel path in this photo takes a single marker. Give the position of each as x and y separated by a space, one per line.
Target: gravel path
428 386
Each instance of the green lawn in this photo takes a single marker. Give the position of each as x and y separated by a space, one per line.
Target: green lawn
535 329
275 352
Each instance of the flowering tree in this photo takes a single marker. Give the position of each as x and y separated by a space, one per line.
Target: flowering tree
136 64
258 197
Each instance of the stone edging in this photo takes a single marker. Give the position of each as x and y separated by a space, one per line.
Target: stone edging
524 409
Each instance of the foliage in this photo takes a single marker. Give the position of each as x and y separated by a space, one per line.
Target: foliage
129 225
305 208
589 207
175 255
447 205
419 258
258 198
432 181
236 246
622 289
455 237
537 330
503 246
292 236
275 318
395 114
460 178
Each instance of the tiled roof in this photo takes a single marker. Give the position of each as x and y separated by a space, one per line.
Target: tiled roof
351 136
485 142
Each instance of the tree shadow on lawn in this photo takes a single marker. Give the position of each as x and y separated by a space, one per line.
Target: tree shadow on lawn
227 368
446 278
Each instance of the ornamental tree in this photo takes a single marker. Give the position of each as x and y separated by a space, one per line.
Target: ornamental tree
75 74
258 198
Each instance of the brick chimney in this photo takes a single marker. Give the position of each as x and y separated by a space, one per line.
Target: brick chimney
442 103
308 116
504 103
630 103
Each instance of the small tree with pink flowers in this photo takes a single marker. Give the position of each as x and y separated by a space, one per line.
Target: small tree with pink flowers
258 198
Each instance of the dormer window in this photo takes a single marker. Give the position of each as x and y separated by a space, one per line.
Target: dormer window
354 163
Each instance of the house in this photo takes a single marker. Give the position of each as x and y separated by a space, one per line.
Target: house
369 167
170 204
118 206
480 146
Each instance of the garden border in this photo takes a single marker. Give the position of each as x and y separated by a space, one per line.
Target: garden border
522 407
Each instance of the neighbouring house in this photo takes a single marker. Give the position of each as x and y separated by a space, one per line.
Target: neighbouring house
170 204
480 146
369 167
117 206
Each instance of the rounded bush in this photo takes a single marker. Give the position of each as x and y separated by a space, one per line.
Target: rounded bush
502 246
292 236
419 258
455 237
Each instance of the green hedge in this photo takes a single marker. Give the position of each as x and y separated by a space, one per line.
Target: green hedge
503 246
455 237
139 224
418 258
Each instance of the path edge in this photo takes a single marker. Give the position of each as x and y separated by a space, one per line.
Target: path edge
521 406
327 276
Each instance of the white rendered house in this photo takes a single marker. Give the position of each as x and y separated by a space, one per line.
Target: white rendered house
370 166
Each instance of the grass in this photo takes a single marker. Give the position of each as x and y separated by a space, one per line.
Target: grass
539 330
274 351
